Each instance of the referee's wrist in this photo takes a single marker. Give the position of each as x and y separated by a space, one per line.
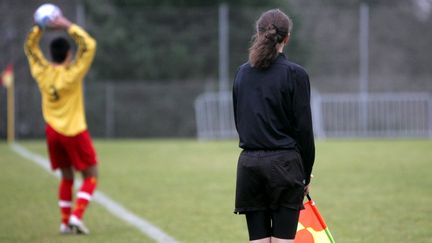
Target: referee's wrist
308 180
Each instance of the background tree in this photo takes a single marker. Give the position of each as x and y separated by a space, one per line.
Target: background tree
172 40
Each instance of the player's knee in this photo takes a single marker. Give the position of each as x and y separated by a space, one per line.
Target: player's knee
67 173
90 172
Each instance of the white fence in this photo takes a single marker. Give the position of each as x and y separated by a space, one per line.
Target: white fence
214 116
334 115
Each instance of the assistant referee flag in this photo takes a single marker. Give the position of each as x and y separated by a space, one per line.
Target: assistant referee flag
311 227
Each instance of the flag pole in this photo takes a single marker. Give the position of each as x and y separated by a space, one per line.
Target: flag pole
0 104
320 219
11 113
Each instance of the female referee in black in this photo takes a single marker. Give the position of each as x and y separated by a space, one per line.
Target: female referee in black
273 119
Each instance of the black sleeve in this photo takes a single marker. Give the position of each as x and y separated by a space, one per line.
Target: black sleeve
234 98
303 121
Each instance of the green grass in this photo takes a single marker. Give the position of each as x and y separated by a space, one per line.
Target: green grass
29 213
368 191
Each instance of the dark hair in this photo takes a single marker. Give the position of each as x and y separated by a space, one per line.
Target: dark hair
271 29
59 48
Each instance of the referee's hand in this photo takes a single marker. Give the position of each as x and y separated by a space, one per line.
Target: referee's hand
307 189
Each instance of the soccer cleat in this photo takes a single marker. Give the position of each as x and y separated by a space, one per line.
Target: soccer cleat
78 226
65 229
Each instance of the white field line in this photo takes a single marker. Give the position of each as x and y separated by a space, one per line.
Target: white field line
109 204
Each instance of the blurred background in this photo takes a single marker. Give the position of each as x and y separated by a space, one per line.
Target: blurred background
164 68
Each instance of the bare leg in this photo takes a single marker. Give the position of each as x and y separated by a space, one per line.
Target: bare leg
67 173
277 240
90 172
264 240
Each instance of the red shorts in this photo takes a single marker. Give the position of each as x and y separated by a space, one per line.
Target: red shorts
65 151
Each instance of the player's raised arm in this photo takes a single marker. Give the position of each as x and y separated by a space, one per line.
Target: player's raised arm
86 45
38 63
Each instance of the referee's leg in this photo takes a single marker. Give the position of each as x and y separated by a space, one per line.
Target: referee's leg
284 225
259 226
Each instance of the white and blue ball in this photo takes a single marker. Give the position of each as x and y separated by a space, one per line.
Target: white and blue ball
46 13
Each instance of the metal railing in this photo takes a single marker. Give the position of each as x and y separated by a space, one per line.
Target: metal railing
214 116
377 115
335 115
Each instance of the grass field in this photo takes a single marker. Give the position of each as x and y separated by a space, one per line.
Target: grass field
368 191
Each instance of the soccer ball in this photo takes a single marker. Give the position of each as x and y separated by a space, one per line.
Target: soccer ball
46 13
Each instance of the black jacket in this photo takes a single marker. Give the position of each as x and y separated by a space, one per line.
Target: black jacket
272 109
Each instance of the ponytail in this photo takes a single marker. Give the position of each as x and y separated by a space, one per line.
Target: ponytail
272 28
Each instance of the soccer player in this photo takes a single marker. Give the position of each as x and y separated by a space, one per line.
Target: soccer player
69 143
273 119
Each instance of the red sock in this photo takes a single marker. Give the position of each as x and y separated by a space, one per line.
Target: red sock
65 199
84 196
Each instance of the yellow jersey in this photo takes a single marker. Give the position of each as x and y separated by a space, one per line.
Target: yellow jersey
61 86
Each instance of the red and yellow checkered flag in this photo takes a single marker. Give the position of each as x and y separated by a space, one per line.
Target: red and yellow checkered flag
311 227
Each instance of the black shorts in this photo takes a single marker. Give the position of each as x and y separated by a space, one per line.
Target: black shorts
269 180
